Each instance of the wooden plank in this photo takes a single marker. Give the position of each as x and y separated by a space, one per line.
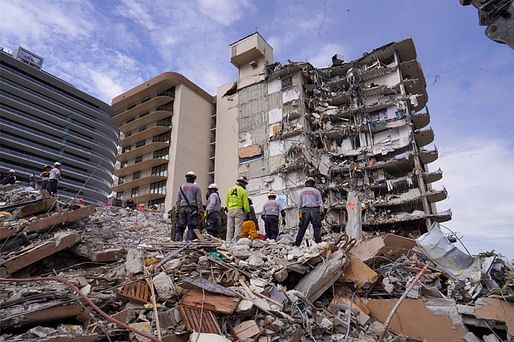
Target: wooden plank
5 233
135 292
246 330
67 217
213 302
359 273
193 318
59 242
36 208
56 312
250 151
106 255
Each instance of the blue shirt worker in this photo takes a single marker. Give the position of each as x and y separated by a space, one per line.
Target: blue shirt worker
189 200
269 214
213 210
309 205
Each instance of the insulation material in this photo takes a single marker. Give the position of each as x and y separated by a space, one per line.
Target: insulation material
275 130
245 139
353 208
274 86
275 115
250 151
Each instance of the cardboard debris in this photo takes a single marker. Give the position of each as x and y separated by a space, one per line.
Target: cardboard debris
358 273
246 330
415 319
496 309
388 245
209 301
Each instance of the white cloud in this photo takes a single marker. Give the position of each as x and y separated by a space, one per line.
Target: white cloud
136 11
323 56
478 175
224 12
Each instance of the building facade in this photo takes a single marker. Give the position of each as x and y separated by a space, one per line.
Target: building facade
44 119
167 126
359 127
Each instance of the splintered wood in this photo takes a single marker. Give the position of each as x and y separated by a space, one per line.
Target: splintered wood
136 292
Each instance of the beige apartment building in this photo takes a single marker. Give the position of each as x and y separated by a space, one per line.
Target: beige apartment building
166 129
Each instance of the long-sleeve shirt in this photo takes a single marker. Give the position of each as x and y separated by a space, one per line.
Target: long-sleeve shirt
213 203
271 208
55 173
237 198
192 193
310 198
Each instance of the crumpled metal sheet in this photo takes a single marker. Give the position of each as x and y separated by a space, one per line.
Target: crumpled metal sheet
449 258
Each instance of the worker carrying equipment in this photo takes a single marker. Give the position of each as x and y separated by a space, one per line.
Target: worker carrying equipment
189 201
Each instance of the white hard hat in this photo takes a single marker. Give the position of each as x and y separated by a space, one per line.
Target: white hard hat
190 174
57 164
212 186
11 171
310 180
272 194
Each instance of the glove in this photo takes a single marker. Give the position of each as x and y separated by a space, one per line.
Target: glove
283 221
263 217
205 215
322 213
300 214
225 209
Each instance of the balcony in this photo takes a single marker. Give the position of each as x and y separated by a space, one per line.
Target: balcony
420 120
149 105
424 136
145 120
144 165
148 148
138 183
146 134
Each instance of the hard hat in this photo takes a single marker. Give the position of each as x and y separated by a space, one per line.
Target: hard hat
212 186
272 194
11 171
190 174
57 164
243 179
310 180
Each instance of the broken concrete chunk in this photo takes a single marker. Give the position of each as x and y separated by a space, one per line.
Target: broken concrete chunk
205 337
388 245
255 261
163 286
134 263
359 273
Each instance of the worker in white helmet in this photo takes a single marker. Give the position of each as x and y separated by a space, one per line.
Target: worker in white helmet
213 210
189 201
53 179
309 205
269 214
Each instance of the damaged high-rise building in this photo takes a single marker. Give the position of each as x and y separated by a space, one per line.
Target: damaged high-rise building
361 128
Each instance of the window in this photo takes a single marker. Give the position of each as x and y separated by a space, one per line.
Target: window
165 137
129 120
138 159
159 202
119 195
161 170
121 180
166 107
126 149
136 175
142 128
140 143
134 192
123 164
144 114
161 154
158 187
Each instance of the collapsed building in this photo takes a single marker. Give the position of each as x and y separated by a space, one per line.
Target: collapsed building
361 128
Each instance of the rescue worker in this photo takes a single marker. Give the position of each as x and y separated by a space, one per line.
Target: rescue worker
10 178
45 176
189 201
309 204
269 215
213 210
53 179
238 208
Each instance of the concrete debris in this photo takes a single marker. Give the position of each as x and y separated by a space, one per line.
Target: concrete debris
208 290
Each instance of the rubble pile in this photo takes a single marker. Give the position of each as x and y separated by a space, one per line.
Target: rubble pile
79 272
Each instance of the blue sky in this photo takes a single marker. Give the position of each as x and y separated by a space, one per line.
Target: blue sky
106 47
